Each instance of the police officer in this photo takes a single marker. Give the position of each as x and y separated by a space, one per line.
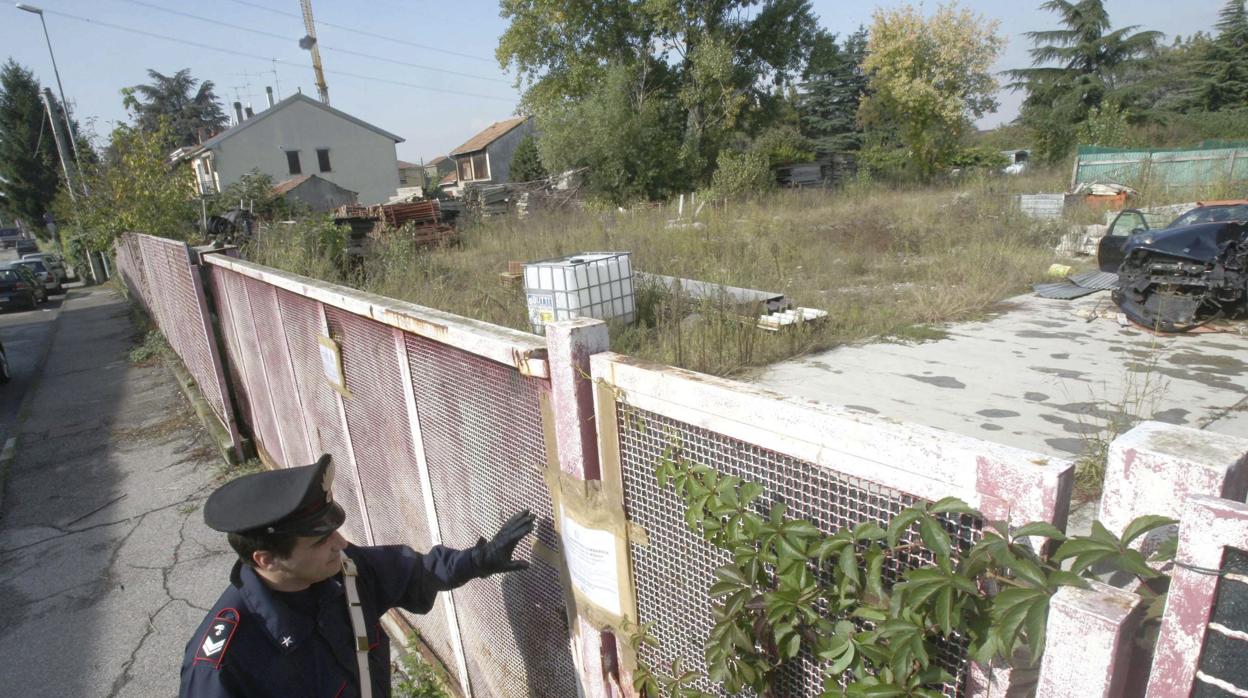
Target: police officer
301 614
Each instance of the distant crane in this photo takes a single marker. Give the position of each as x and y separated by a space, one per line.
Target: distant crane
308 43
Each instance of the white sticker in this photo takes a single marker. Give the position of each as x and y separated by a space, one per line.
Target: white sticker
592 565
331 363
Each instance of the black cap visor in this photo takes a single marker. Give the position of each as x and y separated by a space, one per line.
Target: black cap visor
322 521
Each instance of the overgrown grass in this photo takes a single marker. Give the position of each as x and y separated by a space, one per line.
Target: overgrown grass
883 262
150 350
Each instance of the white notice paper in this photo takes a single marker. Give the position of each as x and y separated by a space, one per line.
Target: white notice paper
330 363
592 564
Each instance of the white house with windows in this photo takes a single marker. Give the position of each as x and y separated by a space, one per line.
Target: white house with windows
486 157
300 136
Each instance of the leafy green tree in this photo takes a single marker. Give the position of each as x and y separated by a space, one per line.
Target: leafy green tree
526 162
627 139
740 175
715 61
1223 67
134 190
833 87
927 78
782 145
1091 60
179 100
29 168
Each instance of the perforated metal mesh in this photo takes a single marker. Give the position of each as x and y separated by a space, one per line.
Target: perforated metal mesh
283 394
482 428
160 274
674 570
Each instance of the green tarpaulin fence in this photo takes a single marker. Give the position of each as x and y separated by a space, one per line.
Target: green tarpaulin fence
1190 167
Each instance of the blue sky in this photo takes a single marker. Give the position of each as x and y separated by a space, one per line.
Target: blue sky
439 84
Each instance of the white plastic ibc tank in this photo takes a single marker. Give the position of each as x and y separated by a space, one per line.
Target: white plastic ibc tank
590 284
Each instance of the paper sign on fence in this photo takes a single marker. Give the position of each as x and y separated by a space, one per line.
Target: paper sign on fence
592 564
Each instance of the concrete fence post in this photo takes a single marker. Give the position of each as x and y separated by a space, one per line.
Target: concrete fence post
1208 526
570 343
1089 642
1154 467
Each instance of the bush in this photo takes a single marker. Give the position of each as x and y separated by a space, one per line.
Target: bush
741 175
784 145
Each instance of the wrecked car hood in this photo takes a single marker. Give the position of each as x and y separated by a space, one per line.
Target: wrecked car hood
1198 243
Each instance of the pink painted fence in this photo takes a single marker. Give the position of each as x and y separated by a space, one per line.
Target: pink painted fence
162 275
435 424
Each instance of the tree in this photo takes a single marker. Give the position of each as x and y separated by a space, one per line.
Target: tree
833 88
927 77
1223 67
176 100
29 167
1092 61
134 190
626 138
714 60
526 162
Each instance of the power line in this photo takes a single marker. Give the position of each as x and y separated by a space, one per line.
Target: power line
282 37
361 32
266 59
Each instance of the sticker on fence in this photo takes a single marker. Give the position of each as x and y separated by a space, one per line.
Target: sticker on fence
593 564
331 364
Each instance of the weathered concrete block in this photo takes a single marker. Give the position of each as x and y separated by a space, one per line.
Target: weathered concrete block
1089 642
1154 467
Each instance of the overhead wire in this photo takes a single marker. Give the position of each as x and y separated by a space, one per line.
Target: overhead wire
362 32
266 59
323 46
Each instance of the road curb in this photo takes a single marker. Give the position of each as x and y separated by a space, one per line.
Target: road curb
217 431
9 452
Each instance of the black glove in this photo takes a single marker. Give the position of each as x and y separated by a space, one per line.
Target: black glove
495 555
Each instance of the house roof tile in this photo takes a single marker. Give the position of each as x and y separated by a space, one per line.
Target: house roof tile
495 131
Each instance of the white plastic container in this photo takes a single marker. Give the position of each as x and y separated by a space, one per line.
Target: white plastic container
590 284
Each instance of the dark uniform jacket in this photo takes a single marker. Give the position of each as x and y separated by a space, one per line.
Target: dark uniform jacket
257 642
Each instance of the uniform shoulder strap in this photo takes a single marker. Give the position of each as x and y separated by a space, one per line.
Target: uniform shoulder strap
356 611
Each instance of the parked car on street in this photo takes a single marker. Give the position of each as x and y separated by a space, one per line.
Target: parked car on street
26 246
51 282
53 262
20 288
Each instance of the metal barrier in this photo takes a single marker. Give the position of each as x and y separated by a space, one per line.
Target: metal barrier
162 276
435 423
831 466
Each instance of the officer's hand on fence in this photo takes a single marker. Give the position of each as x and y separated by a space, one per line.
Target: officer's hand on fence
495 555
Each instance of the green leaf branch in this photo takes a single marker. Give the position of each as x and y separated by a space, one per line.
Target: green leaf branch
854 601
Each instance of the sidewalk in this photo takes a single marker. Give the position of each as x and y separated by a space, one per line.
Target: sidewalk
106 566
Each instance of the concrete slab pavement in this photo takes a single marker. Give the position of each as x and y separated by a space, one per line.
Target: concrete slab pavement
1039 376
106 566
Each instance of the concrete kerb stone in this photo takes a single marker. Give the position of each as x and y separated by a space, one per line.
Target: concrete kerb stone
220 436
9 453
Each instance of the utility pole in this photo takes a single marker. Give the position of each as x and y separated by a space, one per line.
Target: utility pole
69 126
308 43
46 95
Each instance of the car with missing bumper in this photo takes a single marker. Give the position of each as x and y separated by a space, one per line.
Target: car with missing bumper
1189 273
20 289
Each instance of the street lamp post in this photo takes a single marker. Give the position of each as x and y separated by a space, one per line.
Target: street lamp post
69 124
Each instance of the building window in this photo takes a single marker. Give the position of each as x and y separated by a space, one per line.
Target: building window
292 162
322 159
465 170
481 166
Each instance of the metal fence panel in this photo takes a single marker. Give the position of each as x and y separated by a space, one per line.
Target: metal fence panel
161 274
674 570
482 430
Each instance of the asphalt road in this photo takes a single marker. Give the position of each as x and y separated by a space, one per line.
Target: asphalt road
27 335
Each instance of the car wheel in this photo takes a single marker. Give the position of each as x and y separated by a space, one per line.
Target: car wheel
4 367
